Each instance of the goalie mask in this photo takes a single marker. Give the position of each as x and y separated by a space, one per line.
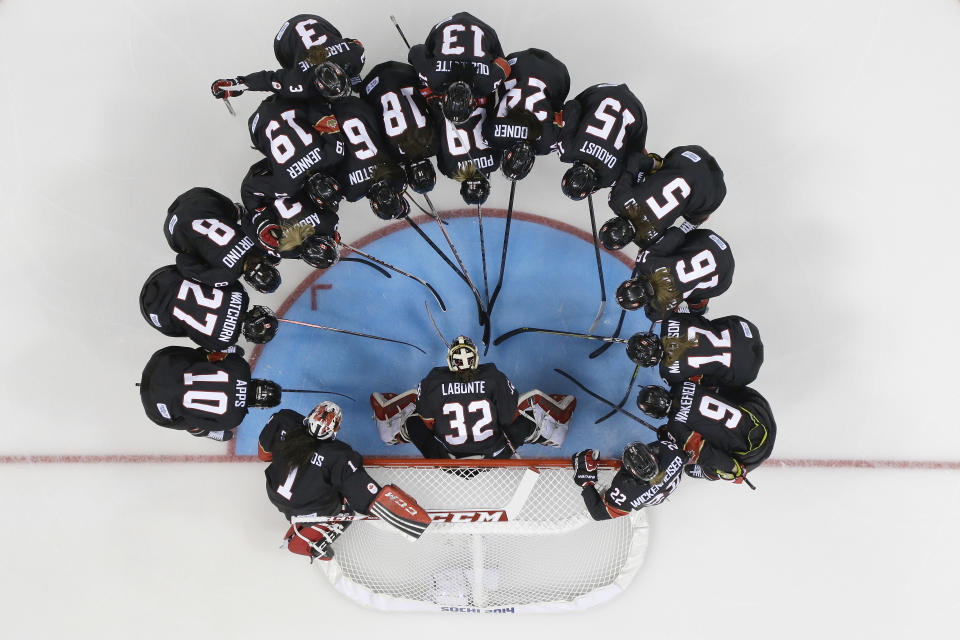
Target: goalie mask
457 103
331 80
616 233
324 420
639 461
462 355
263 394
259 325
645 349
579 181
654 401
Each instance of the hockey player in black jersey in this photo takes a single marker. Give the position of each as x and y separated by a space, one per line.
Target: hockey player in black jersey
681 271
206 394
648 474
464 155
727 432
524 123
686 183
471 410
461 62
603 134
312 474
202 227
316 60
214 318
726 352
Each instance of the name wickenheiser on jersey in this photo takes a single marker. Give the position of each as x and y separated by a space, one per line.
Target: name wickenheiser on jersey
453 388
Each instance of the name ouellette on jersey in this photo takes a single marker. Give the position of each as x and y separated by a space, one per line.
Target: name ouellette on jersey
461 47
335 472
469 412
728 350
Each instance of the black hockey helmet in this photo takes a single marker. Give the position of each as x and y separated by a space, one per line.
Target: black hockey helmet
319 251
579 181
261 276
259 324
518 161
457 102
645 349
421 176
386 203
616 233
639 461
654 401
462 354
263 394
331 80
634 293
325 191
475 190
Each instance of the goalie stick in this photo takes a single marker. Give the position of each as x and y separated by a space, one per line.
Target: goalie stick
352 333
436 295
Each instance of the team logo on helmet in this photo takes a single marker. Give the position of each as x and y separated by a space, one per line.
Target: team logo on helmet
324 420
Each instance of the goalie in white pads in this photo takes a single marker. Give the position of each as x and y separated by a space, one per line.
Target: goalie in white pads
471 410
317 482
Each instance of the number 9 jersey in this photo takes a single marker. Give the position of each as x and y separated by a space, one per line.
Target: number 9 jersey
469 409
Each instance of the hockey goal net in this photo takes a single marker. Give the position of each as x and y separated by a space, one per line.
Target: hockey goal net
507 536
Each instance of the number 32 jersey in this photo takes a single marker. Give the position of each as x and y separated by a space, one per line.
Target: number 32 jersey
469 414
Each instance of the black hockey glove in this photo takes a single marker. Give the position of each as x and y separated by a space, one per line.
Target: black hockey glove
227 88
585 467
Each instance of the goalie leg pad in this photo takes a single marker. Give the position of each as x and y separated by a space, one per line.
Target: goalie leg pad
314 540
395 507
550 413
390 412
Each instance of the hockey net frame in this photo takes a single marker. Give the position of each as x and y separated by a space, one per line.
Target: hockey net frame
502 541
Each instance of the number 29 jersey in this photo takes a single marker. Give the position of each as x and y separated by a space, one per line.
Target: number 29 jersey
469 414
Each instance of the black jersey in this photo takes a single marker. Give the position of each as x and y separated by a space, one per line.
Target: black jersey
461 48
393 90
298 82
202 227
298 34
297 137
729 351
464 145
179 307
181 388
469 415
365 149
538 85
718 428
334 473
697 265
689 184
627 493
605 127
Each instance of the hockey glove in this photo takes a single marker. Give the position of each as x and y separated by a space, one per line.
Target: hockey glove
227 88
585 467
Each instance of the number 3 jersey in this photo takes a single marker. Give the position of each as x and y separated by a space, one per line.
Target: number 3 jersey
627 493
334 472
724 352
181 387
720 427
470 412
178 307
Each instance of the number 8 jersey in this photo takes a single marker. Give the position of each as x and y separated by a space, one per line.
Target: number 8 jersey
469 411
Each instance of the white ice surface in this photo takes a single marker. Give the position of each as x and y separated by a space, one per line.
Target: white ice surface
836 125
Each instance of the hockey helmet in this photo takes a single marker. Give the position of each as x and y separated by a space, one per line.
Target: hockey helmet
261 275
579 181
639 461
616 233
475 190
462 354
457 102
518 161
634 293
645 349
324 420
331 80
263 394
654 401
421 176
319 251
325 191
259 324
386 203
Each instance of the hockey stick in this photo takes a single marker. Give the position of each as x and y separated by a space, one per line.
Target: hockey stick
352 333
226 102
604 400
596 249
483 259
383 272
435 327
434 246
569 334
332 393
626 396
436 295
422 210
503 253
393 19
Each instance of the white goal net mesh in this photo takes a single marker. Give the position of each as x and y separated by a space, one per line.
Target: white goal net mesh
549 555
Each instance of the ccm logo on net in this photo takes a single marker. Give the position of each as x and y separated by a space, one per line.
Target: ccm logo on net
493 515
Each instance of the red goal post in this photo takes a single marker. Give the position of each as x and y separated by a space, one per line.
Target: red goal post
508 536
